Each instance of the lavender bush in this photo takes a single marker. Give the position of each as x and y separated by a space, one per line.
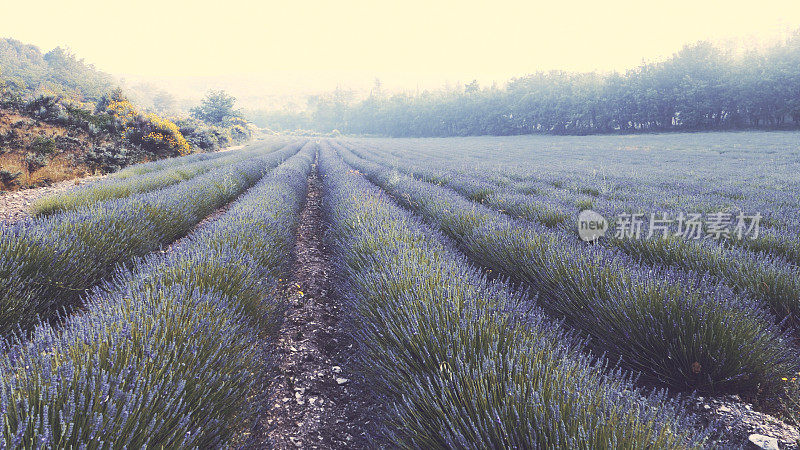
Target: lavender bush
165 354
47 264
678 328
461 362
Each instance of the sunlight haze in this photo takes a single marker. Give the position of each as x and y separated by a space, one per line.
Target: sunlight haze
407 44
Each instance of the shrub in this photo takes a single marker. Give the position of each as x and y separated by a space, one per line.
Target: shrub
156 136
42 145
107 158
207 137
47 108
9 178
7 138
152 134
34 162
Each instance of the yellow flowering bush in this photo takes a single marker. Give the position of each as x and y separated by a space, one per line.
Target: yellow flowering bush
165 133
152 133
122 110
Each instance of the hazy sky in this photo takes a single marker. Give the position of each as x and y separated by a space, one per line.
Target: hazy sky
408 42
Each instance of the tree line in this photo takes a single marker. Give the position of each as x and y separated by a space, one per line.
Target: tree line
702 87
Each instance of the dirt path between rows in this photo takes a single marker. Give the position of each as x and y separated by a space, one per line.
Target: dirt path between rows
314 400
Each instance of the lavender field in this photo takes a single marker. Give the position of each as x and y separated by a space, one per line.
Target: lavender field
694 287
419 293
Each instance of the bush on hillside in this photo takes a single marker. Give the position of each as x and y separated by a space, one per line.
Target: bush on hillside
150 133
211 137
108 158
42 145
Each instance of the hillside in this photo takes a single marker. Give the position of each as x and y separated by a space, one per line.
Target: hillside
34 152
29 72
61 118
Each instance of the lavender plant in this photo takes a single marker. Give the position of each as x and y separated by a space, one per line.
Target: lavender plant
165 354
461 362
636 186
46 265
677 328
137 170
125 186
758 274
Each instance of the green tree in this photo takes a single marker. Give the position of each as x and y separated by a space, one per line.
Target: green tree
216 108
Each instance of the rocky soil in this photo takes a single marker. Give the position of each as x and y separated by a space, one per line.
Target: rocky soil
737 425
314 399
15 205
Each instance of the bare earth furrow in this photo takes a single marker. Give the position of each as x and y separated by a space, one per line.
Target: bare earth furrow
313 400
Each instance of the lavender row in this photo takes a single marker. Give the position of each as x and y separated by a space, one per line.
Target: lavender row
461 362
760 275
46 265
169 163
165 355
678 329
659 171
147 168
111 188
779 225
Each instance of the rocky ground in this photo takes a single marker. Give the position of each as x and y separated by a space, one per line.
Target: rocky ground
15 205
314 400
739 426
